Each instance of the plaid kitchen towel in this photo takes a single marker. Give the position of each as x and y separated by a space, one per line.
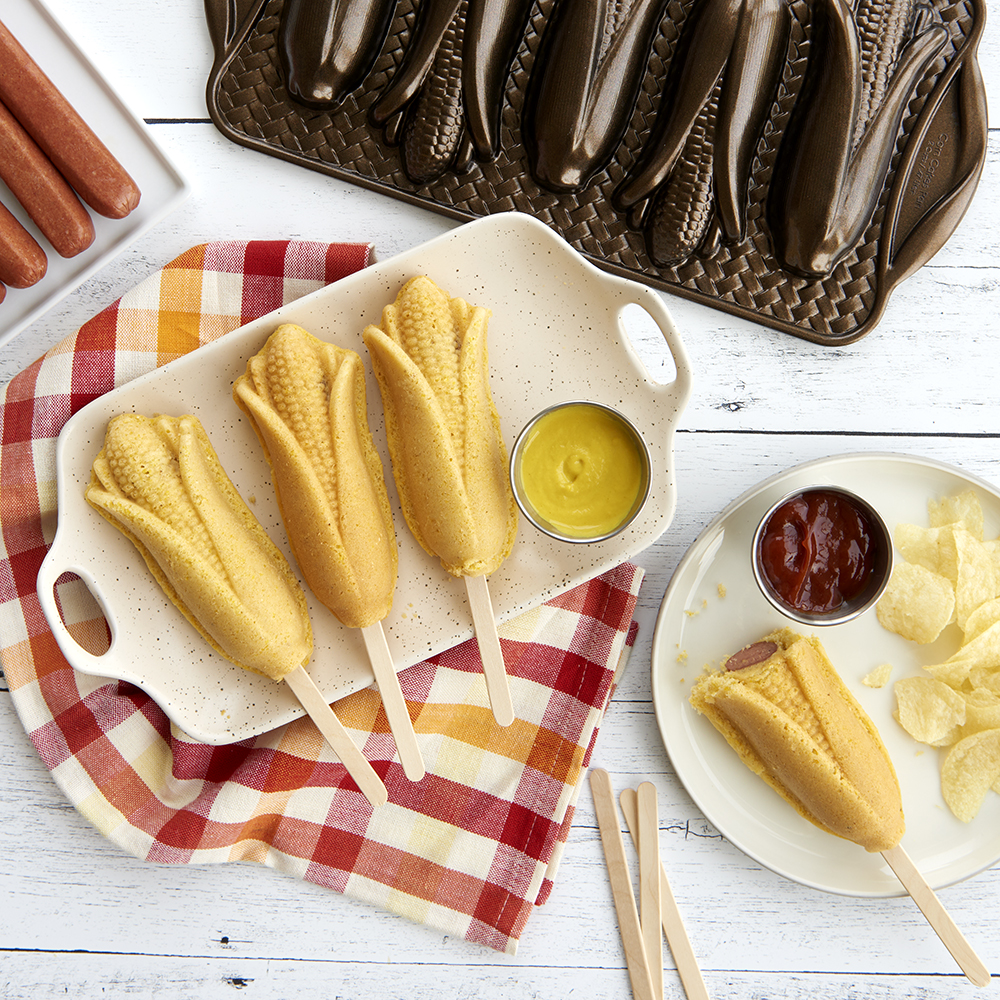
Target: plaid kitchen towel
472 847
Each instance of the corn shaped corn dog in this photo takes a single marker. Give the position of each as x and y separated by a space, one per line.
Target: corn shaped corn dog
783 708
158 480
448 456
306 402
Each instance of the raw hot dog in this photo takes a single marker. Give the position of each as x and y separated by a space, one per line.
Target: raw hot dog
86 163
41 190
22 260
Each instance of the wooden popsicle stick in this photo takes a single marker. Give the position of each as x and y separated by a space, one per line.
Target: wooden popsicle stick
673 926
391 693
937 916
497 686
358 766
621 885
650 913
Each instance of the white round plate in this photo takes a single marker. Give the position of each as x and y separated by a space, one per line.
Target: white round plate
712 607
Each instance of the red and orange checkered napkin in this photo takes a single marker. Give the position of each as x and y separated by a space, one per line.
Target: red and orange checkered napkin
468 850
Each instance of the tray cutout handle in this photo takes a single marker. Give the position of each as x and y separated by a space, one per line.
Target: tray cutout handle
75 586
643 315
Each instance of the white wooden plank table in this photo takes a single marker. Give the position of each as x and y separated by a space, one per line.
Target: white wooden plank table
80 918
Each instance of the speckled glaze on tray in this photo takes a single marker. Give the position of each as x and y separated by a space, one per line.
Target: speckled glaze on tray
556 333
934 168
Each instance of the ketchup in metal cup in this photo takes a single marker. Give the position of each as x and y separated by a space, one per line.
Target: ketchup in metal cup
817 551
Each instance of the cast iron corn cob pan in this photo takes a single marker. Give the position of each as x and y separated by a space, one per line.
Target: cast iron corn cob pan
786 161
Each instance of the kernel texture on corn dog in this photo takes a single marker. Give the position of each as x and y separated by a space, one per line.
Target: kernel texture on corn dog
793 722
448 457
306 402
158 480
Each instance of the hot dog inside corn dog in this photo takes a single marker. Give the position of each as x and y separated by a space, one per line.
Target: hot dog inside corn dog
783 708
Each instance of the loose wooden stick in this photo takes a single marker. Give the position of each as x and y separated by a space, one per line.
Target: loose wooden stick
650 906
937 916
621 885
497 686
358 766
395 704
673 926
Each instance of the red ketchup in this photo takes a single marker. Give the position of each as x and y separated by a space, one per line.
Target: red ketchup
816 551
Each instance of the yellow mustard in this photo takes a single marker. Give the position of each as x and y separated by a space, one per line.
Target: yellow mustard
581 470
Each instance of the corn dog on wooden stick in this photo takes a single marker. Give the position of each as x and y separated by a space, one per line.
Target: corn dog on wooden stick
158 481
784 709
306 403
448 456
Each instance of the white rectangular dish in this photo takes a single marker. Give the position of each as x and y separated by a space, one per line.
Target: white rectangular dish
556 333
126 135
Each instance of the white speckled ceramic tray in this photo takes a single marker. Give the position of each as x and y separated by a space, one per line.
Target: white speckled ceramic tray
125 134
697 626
556 333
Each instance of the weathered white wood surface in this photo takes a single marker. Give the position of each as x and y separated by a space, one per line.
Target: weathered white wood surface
79 918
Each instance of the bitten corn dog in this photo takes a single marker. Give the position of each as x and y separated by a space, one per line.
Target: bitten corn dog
782 707
448 456
306 402
159 481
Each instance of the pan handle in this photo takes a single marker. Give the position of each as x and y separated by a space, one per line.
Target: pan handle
940 169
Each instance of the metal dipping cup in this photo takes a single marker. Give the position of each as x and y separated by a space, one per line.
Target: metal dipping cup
524 501
877 580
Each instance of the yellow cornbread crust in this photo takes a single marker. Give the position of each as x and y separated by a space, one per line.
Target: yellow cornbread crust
158 481
792 721
307 405
448 456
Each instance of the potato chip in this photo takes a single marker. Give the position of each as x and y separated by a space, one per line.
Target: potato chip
953 672
932 548
929 710
879 677
963 508
992 548
985 678
983 651
982 711
981 619
916 604
975 581
970 769
951 550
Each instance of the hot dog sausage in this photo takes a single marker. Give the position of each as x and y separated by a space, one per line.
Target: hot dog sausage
22 260
41 190
86 163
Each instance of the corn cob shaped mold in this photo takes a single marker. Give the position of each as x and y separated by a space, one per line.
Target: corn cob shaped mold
584 87
731 52
306 403
158 480
683 206
884 28
827 181
326 48
448 456
433 134
782 707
